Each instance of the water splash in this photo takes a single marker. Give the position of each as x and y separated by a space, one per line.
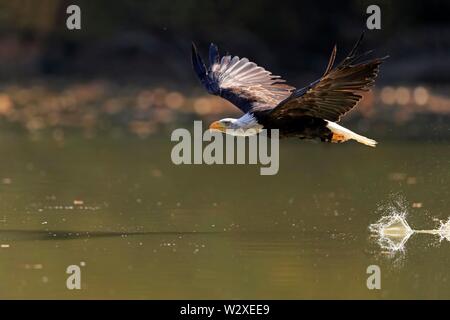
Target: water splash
393 231
444 230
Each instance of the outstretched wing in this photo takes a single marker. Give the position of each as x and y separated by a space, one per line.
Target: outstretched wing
243 83
336 92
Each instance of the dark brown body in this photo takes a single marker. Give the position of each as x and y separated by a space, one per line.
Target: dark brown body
303 127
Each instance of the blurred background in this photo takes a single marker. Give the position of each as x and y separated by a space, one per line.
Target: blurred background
86 176
128 68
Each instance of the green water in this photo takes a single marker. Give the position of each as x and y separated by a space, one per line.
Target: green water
145 228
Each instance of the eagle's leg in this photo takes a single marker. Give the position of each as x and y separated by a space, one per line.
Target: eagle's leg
338 138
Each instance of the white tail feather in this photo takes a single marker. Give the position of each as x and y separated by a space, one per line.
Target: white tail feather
350 135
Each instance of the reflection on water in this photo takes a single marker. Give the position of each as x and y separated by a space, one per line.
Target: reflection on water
146 228
17 235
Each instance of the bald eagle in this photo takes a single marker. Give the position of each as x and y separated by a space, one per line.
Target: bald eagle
269 103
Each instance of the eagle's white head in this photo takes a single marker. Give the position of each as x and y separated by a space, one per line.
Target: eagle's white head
247 125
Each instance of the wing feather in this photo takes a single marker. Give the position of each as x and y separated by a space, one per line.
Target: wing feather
240 81
336 92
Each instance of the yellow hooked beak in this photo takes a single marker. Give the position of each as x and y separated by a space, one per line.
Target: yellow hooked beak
217 126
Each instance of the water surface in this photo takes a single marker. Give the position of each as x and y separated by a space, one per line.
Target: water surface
145 228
